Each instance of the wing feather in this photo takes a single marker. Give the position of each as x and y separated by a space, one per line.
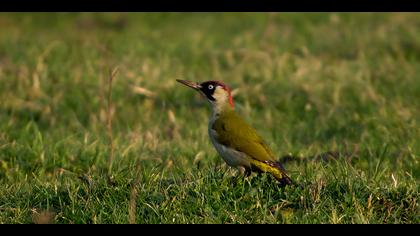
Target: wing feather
235 132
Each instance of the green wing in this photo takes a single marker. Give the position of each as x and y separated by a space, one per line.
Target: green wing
234 132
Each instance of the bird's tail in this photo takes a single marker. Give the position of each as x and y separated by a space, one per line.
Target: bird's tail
274 168
284 178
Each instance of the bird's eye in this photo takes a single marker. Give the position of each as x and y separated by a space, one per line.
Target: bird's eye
211 87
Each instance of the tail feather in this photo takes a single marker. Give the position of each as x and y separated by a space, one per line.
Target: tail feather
285 179
274 168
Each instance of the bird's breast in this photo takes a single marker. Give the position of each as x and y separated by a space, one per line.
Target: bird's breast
231 156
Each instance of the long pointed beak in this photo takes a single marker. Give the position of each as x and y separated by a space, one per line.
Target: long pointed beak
190 84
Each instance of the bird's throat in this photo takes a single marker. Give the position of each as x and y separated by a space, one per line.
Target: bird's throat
221 107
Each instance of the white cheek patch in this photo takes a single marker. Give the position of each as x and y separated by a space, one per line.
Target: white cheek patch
220 95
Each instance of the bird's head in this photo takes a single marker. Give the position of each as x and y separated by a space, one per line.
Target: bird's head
217 93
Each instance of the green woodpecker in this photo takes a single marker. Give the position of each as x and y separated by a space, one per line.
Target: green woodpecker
236 141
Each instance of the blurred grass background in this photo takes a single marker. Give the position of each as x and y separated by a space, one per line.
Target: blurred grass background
310 83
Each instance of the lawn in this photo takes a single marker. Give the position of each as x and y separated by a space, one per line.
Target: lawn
335 95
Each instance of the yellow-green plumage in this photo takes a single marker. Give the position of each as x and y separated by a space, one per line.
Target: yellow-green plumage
234 132
236 141
274 170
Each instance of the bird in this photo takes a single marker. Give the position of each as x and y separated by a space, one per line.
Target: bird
237 142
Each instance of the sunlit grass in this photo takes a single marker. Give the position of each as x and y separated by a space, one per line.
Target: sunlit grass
309 83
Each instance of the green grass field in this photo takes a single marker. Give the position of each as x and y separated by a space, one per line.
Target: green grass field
336 96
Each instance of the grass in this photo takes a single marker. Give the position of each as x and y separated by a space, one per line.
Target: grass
335 95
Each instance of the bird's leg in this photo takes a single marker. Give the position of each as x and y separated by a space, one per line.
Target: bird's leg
241 170
244 171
